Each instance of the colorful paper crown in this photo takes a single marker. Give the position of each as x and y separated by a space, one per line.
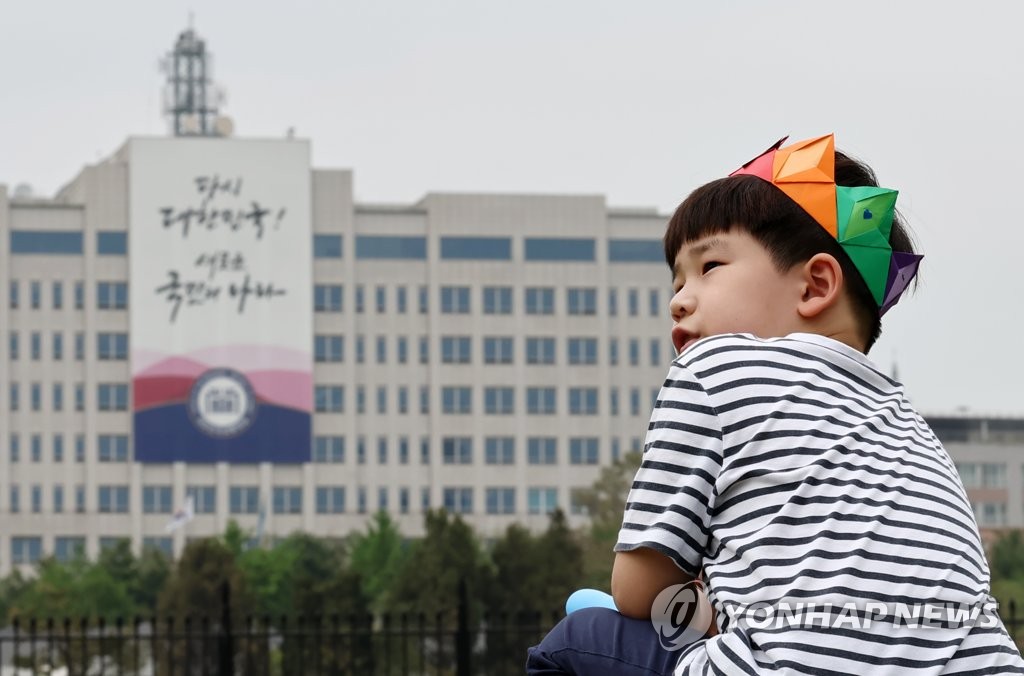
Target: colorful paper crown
859 218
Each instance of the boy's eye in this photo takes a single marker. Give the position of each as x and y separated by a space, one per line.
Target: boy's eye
709 266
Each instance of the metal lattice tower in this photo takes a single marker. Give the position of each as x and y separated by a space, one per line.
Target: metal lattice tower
190 99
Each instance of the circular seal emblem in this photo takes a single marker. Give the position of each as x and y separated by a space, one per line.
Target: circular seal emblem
222 403
681 614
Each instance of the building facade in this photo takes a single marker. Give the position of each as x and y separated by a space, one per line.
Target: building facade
484 353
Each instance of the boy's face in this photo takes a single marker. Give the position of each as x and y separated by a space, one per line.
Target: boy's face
727 283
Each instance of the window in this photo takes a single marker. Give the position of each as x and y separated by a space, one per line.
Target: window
500 450
634 401
425 499
382 399
382 450
162 544
113 447
382 299
112 295
112 346
559 249
613 302
287 499
79 448
36 392
79 295
457 400
497 300
156 499
634 302
616 449
401 300
634 352
993 475
360 349
403 450
329 398
79 346
361 500
382 349
361 450
360 299
112 396
381 247
613 401
13 396
113 499
424 297
26 550
111 243
476 248
540 300
204 498
458 500
58 295
13 296
244 499
501 500
382 498
541 450
403 399
613 351
457 450
329 449
542 500
968 472
37 447
58 397
79 397
360 399
583 400
455 299
14 495
330 499
58 346
540 350
35 294
37 498
654 302
497 349
36 345
578 501
655 351
583 450
424 399
499 400
540 400
582 351
14 448
12 345
403 500
329 348
402 349
424 450
53 242
66 548
424 350
636 251
327 298
456 349
79 498
326 246
582 301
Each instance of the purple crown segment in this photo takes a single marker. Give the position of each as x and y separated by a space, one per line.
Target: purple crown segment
902 270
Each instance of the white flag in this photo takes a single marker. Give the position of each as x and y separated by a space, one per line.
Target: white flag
182 516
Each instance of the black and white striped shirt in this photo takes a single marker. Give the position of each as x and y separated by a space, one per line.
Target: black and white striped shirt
791 470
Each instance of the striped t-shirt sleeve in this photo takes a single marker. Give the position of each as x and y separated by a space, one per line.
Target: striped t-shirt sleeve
670 503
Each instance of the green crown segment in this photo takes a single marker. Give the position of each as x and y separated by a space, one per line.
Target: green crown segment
864 223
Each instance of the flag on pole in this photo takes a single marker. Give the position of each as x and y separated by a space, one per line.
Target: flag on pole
182 516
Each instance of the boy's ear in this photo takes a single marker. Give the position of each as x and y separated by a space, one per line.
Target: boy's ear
822 279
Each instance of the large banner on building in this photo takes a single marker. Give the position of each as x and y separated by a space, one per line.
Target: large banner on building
220 300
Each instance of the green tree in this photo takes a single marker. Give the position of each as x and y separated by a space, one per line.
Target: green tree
605 502
377 556
11 589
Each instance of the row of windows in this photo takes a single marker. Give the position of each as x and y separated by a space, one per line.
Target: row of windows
66 242
458 400
109 295
390 247
157 499
109 397
539 350
495 300
982 474
378 247
456 450
109 346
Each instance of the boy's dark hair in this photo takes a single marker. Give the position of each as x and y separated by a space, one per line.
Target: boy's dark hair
786 231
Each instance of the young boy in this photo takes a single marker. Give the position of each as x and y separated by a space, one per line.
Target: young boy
781 465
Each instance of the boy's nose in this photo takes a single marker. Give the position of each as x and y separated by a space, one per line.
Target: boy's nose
681 305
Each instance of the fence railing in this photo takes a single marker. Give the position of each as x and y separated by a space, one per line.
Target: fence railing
447 643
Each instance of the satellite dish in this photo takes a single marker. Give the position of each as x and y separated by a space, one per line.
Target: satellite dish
224 125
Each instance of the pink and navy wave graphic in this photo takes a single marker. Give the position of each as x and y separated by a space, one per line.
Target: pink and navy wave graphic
281 379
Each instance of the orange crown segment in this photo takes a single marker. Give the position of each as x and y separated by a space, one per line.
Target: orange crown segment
813 160
817 199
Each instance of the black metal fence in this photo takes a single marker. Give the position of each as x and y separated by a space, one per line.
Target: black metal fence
448 643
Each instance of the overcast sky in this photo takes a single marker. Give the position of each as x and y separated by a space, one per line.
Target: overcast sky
639 101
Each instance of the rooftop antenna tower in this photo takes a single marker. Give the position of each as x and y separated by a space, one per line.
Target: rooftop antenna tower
190 98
